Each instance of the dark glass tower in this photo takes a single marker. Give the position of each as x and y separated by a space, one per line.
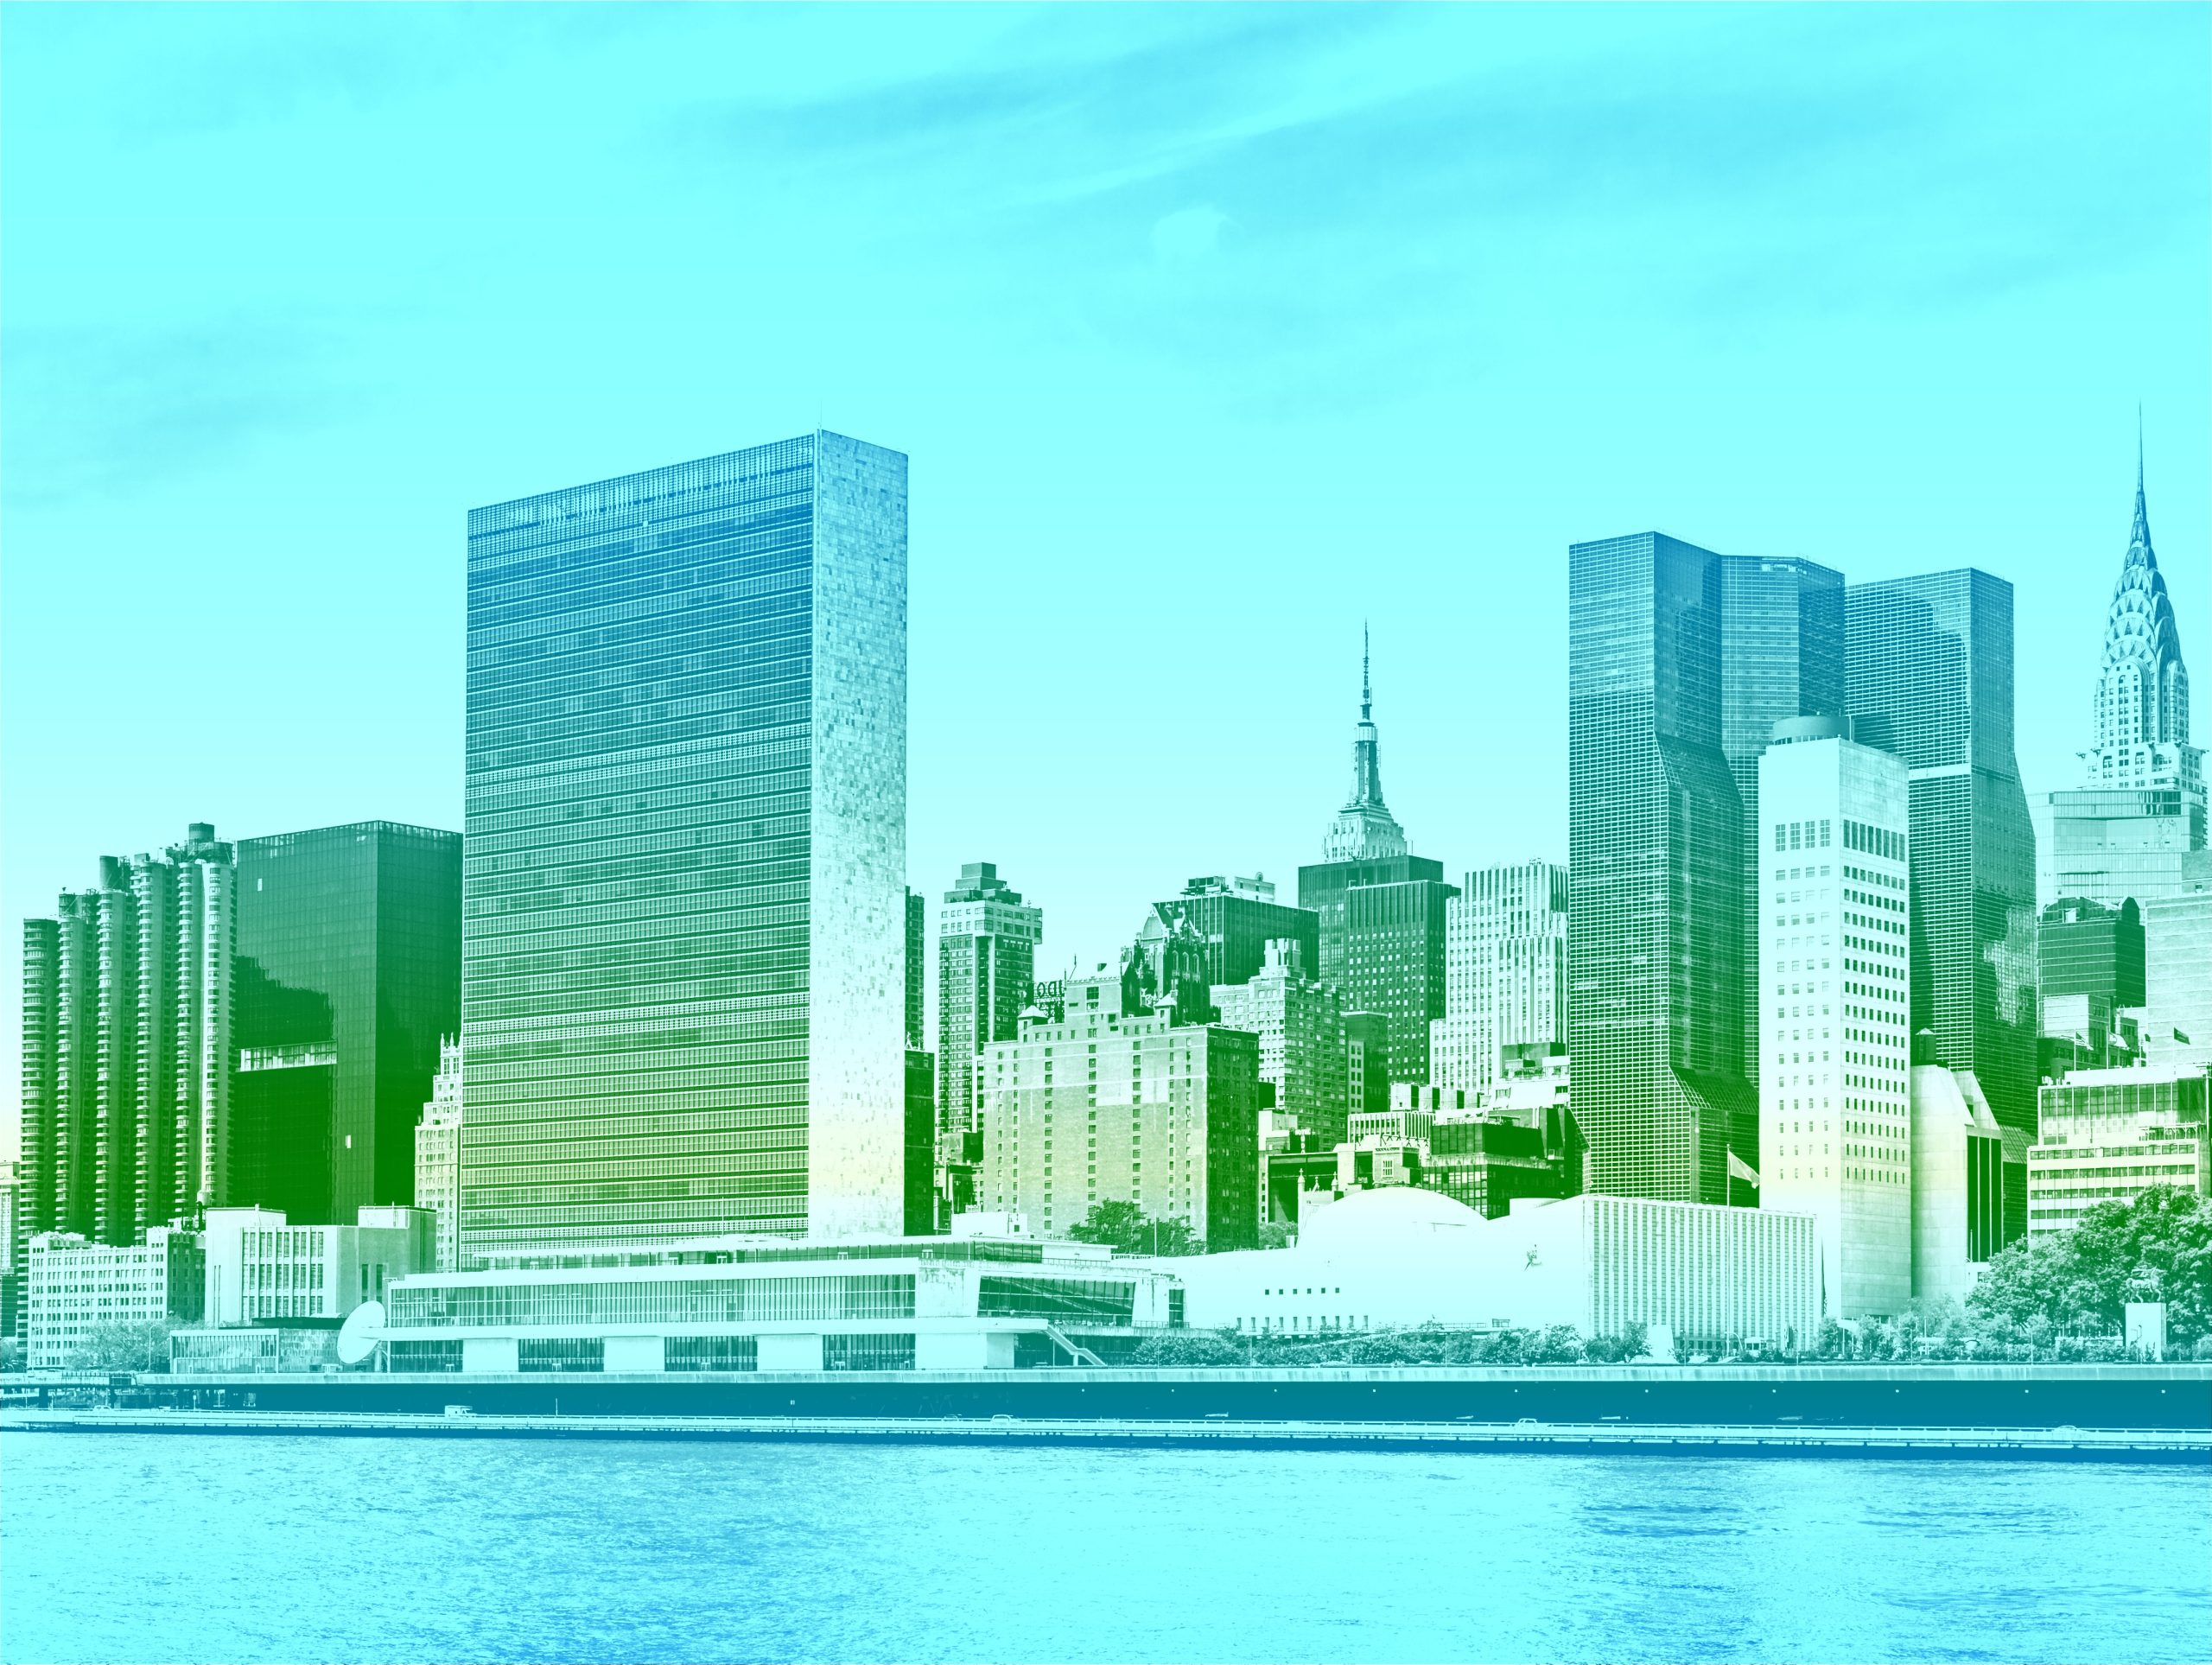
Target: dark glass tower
1236 918
1781 657
1930 673
1656 875
347 974
684 987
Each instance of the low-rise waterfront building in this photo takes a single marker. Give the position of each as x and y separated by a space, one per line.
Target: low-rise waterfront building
75 1287
1958 1178
749 1304
1403 1256
2108 1135
261 1269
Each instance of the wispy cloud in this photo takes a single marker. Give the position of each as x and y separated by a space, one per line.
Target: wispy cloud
120 408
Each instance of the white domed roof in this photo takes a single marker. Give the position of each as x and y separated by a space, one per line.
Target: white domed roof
1362 1219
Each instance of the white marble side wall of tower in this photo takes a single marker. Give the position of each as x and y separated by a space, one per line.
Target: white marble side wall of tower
856 969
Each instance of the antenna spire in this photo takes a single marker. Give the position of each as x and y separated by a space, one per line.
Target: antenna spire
1366 690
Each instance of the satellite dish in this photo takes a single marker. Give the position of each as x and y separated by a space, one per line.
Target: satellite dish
357 1337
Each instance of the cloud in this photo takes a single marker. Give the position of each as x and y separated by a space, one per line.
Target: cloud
1186 235
109 411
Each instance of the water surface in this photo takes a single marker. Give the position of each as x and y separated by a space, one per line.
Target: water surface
168 1547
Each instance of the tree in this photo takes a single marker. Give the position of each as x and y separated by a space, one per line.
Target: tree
1200 1349
2156 1246
142 1347
1126 1230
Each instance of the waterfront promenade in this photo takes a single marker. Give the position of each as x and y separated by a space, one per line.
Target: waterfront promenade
1528 1435
1788 1399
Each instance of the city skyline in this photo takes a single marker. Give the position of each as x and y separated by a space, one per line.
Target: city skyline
1957 461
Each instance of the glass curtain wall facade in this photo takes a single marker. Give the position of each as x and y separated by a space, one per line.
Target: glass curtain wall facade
1656 915
1931 679
347 979
1781 657
1236 919
684 981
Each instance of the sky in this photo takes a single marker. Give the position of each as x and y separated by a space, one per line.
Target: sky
1211 333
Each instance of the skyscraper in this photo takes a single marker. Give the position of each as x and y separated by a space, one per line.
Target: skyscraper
347 978
1931 679
2124 833
1835 1129
1781 657
1300 1024
438 1158
1381 908
1504 971
126 1043
1237 919
986 973
683 982
916 947
1654 893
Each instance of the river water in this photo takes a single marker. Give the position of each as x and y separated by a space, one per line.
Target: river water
169 1546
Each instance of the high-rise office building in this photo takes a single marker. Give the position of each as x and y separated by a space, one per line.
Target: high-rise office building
2178 970
1835 1125
1238 919
1300 1026
2124 832
126 1044
347 978
1111 1102
986 973
917 948
1656 918
2089 975
1931 679
683 980
1781 657
1505 972
1380 909
438 1158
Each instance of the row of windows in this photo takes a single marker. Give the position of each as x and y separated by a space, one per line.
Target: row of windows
697 1301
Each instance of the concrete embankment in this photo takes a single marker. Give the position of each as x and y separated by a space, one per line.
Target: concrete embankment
1785 1398
2130 1445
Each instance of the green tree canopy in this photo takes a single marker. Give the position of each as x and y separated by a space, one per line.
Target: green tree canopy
2158 1246
1128 1229
143 1347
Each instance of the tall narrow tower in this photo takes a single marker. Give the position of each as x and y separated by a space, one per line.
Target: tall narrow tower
2122 835
1931 679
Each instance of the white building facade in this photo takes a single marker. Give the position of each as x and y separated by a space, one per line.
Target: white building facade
74 1288
1401 1256
1834 1007
1504 971
1958 1177
1104 1103
1301 1026
261 1269
2108 1135
437 1156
